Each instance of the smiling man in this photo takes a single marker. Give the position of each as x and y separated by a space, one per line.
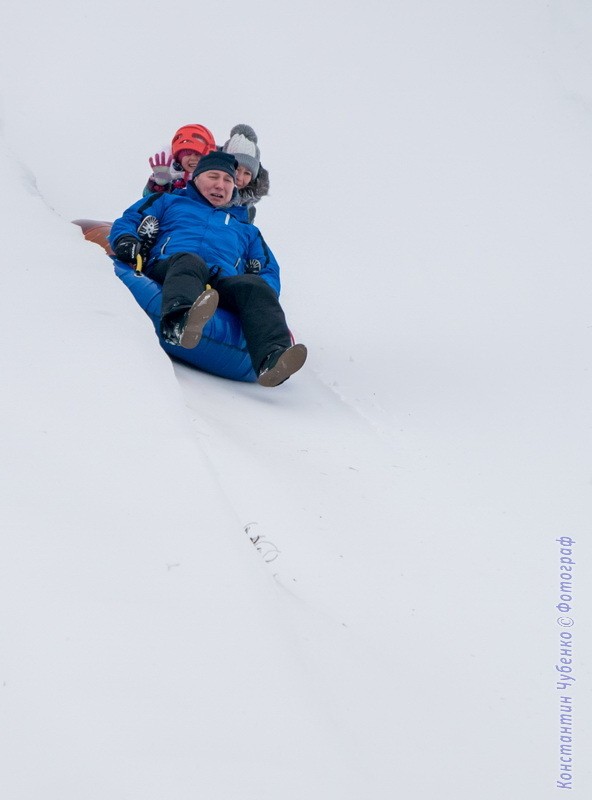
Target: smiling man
199 244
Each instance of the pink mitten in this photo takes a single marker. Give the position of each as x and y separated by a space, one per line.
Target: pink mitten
161 168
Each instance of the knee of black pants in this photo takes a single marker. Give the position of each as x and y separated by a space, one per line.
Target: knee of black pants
241 287
189 264
180 264
253 280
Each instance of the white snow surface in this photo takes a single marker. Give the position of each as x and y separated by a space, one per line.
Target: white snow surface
431 208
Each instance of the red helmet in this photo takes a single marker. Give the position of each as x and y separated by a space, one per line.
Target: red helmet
193 137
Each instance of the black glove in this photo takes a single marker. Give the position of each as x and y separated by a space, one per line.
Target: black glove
126 249
253 266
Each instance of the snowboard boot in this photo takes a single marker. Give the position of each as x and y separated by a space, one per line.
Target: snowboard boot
185 328
280 364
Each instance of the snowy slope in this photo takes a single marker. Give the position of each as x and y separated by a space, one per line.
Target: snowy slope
397 633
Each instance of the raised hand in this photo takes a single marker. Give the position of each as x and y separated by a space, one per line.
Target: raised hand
161 168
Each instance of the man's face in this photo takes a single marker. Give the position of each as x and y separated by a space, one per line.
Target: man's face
216 186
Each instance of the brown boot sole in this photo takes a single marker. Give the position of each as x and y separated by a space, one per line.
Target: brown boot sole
200 313
290 361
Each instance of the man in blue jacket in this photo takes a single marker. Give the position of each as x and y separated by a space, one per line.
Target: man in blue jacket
203 256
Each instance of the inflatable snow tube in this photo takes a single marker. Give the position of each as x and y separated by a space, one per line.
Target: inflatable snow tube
222 349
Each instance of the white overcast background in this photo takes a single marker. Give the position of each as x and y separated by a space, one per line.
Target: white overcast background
431 210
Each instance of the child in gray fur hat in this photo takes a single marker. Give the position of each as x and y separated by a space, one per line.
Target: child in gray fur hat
252 179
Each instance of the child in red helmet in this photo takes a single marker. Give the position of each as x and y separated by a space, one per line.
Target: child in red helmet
172 171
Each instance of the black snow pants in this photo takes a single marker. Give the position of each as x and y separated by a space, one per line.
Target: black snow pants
184 277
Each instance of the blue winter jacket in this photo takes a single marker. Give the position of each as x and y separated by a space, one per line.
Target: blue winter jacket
188 223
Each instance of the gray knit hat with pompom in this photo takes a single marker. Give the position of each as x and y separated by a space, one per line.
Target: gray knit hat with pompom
243 146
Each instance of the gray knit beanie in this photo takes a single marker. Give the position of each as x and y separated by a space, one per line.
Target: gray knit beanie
243 146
